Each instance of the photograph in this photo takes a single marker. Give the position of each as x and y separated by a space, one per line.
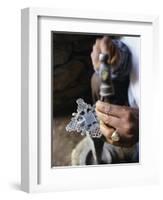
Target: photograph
90 107
95 99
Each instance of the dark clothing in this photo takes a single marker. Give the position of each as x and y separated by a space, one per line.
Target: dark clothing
107 153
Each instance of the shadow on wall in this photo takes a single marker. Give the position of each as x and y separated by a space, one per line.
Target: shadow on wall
72 70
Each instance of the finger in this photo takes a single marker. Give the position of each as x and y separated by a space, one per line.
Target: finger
106 131
95 60
97 44
95 54
108 119
105 44
110 109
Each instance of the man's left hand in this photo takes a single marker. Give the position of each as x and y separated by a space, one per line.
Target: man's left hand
122 119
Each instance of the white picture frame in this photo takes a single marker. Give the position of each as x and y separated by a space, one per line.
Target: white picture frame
36 171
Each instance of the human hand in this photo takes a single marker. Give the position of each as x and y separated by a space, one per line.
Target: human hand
105 46
123 119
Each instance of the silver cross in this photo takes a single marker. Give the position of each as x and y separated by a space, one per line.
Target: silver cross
85 120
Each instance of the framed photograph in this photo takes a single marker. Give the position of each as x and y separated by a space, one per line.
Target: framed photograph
88 88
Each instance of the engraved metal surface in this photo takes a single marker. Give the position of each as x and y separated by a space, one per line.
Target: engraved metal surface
85 120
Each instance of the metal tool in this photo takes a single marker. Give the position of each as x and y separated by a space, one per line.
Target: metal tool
106 87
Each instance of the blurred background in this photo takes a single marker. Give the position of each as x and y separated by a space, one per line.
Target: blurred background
72 71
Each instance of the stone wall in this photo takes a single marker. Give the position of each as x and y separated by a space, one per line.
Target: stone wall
72 70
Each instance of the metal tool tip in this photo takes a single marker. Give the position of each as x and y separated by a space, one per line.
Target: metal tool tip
103 57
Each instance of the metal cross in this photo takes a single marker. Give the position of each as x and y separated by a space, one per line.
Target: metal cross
85 120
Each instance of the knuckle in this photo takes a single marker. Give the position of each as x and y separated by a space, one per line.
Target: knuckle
97 106
108 119
107 109
92 57
103 107
105 39
97 41
94 47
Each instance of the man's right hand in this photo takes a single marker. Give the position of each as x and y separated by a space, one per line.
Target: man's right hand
105 46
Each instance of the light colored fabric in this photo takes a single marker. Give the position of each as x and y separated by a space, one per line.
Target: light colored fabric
133 44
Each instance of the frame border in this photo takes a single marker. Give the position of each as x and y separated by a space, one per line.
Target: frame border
30 79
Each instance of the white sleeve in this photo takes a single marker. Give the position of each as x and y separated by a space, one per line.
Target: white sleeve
133 44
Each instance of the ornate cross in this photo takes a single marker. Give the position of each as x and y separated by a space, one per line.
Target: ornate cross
85 120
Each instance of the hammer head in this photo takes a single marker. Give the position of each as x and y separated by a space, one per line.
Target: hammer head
103 57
